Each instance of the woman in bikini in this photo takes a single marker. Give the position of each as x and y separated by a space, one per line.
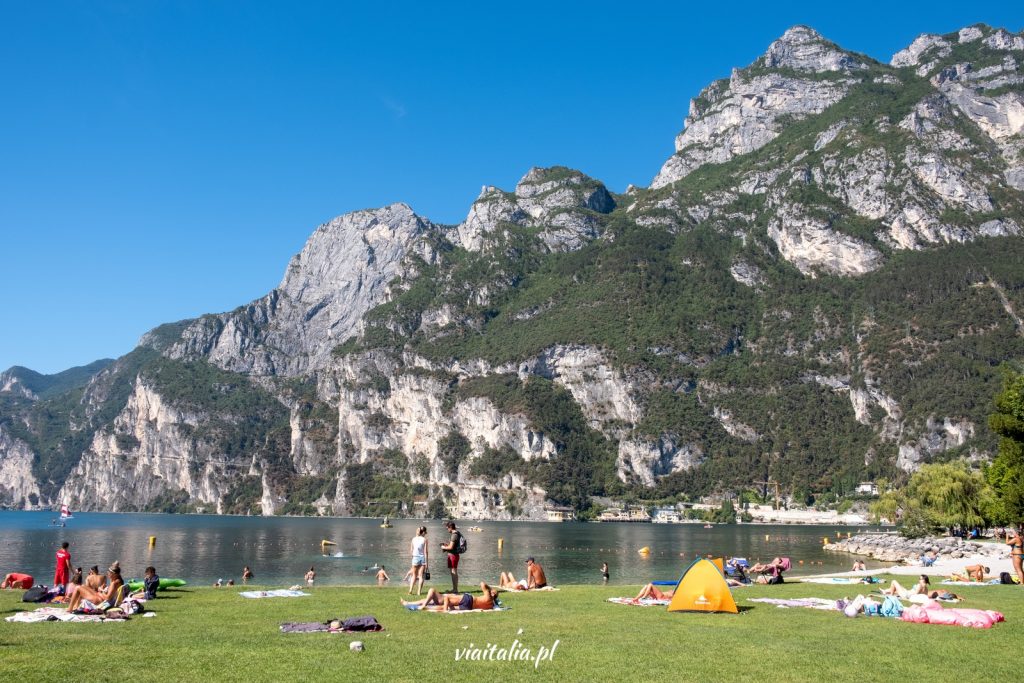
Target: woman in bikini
652 592
1016 544
97 597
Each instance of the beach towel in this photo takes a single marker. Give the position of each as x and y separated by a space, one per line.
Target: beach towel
273 594
55 614
991 582
643 602
845 580
531 590
352 625
419 608
811 603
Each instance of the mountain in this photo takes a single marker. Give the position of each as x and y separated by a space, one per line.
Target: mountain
818 287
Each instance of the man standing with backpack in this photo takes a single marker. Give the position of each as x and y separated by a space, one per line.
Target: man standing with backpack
455 546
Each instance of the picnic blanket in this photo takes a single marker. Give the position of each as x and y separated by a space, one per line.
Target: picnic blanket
811 603
643 602
283 593
56 614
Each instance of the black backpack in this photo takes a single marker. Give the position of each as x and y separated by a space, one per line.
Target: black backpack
35 594
461 546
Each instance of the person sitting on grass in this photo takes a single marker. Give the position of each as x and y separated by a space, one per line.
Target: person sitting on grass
150 585
447 602
535 578
974 572
99 599
95 580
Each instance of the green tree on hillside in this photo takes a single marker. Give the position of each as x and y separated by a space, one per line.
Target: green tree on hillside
1006 473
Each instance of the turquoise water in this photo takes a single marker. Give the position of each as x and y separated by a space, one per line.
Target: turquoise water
203 548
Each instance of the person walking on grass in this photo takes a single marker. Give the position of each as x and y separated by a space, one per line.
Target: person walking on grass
453 549
420 557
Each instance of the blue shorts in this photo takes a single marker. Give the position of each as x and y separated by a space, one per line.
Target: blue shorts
418 560
467 602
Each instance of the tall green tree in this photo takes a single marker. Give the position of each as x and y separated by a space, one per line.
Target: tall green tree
938 497
1006 473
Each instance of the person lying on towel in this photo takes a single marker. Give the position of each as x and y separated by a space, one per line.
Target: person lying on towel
447 602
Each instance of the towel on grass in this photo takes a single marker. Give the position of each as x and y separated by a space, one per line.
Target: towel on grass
419 608
643 602
55 614
990 582
283 593
838 579
528 590
366 624
811 603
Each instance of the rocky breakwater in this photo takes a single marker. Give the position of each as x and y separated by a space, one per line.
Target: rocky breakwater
892 548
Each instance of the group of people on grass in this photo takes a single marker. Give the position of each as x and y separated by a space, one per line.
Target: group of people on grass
94 591
453 548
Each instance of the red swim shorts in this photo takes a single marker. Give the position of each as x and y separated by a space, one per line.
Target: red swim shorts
453 561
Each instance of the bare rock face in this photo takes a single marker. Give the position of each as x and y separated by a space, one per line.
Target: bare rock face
147 452
566 204
341 273
926 44
743 114
810 245
645 460
18 486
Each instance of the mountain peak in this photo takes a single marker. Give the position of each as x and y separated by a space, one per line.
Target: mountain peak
803 49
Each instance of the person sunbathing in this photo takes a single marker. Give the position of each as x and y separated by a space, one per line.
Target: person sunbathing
95 581
97 597
921 588
652 592
535 578
974 572
447 602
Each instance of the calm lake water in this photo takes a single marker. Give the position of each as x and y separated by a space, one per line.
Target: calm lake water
203 548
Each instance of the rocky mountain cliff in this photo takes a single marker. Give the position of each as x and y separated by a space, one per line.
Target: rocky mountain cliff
818 287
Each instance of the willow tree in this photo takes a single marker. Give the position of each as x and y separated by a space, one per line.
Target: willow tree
938 497
1006 473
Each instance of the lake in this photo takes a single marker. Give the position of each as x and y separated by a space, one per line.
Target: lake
203 548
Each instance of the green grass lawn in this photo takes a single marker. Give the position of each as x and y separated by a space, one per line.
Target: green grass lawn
213 634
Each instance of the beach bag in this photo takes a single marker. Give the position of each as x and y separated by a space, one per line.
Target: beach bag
426 575
367 623
1005 578
35 594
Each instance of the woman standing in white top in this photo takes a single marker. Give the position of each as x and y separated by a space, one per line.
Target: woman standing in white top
420 556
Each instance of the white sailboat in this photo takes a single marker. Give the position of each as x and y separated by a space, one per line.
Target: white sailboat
65 512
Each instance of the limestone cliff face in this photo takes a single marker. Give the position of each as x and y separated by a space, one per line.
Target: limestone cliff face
566 205
734 117
149 450
343 271
18 486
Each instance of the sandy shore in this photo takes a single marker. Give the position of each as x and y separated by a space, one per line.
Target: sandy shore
942 567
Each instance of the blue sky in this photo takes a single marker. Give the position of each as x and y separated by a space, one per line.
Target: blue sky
160 160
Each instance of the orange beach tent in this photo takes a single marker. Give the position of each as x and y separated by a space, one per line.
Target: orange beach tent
702 588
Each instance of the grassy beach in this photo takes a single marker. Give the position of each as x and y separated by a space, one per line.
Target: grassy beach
204 634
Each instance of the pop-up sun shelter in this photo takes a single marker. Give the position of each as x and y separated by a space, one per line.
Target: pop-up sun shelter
702 588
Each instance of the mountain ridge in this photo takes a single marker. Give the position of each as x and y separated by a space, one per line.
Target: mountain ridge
834 239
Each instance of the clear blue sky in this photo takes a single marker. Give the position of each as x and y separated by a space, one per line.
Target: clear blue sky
160 160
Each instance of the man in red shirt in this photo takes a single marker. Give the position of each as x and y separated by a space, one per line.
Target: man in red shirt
63 573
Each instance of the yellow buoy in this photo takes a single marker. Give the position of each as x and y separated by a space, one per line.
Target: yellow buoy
501 543
152 541
767 537
644 551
